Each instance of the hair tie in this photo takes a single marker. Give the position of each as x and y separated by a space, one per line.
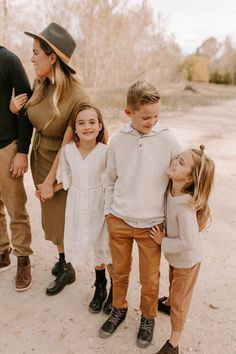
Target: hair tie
202 147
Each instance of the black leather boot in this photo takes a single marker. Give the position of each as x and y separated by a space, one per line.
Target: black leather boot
65 277
58 266
100 293
108 304
56 269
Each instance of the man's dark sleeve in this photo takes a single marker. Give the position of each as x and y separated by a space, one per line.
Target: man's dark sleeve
20 82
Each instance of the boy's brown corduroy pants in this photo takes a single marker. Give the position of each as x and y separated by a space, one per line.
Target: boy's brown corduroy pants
121 237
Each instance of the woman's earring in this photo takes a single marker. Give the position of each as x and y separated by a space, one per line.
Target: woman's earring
53 76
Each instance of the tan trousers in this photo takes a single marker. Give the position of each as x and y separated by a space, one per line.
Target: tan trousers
13 197
121 237
182 281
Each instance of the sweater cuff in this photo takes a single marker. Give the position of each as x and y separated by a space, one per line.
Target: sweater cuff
23 148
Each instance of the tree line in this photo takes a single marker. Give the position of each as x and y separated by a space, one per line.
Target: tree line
118 41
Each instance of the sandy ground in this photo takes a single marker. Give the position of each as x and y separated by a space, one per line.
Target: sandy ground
32 322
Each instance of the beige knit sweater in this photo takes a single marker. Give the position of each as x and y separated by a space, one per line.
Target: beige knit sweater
183 246
136 175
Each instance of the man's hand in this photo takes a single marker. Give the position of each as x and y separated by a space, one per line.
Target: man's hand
19 165
17 102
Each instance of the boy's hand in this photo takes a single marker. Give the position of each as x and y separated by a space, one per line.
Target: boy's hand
156 234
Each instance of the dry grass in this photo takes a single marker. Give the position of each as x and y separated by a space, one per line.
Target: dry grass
178 98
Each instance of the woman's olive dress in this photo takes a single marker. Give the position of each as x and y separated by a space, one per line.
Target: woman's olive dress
46 144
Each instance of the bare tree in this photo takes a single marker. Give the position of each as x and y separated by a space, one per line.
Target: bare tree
4 22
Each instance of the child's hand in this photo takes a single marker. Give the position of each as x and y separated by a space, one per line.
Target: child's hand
37 194
46 191
156 234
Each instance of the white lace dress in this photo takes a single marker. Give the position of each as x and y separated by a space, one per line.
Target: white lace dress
85 236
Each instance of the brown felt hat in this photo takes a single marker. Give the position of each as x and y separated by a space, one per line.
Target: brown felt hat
59 40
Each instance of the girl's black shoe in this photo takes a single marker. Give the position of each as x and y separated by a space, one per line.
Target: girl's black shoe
168 349
162 307
108 304
99 297
100 293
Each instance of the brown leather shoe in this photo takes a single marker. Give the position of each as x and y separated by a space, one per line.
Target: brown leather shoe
23 276
5 262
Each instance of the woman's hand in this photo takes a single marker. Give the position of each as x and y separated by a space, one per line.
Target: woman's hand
46 191
156 234
17 102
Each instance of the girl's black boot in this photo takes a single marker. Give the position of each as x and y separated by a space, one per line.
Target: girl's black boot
108 304
100 293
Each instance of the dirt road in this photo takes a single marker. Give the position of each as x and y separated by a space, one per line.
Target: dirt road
32 322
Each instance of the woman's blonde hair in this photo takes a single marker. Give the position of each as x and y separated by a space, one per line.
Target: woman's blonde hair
64 80
103 133
202 174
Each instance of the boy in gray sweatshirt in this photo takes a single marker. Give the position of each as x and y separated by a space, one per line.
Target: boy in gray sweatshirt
138 157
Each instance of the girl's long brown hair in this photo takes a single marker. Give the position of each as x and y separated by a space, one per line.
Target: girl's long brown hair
103 134
202 173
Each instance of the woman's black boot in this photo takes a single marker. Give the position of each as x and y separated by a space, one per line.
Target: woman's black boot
66 276
58 266
100 293
108 304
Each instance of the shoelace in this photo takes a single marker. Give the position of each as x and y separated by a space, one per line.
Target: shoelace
146 324
116 316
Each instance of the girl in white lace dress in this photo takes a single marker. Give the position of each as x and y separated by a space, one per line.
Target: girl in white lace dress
81 170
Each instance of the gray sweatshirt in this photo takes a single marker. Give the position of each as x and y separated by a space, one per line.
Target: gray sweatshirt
136 174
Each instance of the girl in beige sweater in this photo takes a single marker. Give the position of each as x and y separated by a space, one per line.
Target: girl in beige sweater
191 177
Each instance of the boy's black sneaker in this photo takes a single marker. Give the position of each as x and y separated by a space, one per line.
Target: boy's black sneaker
145 332
116 317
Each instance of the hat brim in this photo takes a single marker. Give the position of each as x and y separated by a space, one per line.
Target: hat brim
55 50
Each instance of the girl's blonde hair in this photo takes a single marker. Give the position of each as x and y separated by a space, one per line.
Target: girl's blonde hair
64 80
103 134
202 173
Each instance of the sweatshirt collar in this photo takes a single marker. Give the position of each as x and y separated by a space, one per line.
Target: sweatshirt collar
129 129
